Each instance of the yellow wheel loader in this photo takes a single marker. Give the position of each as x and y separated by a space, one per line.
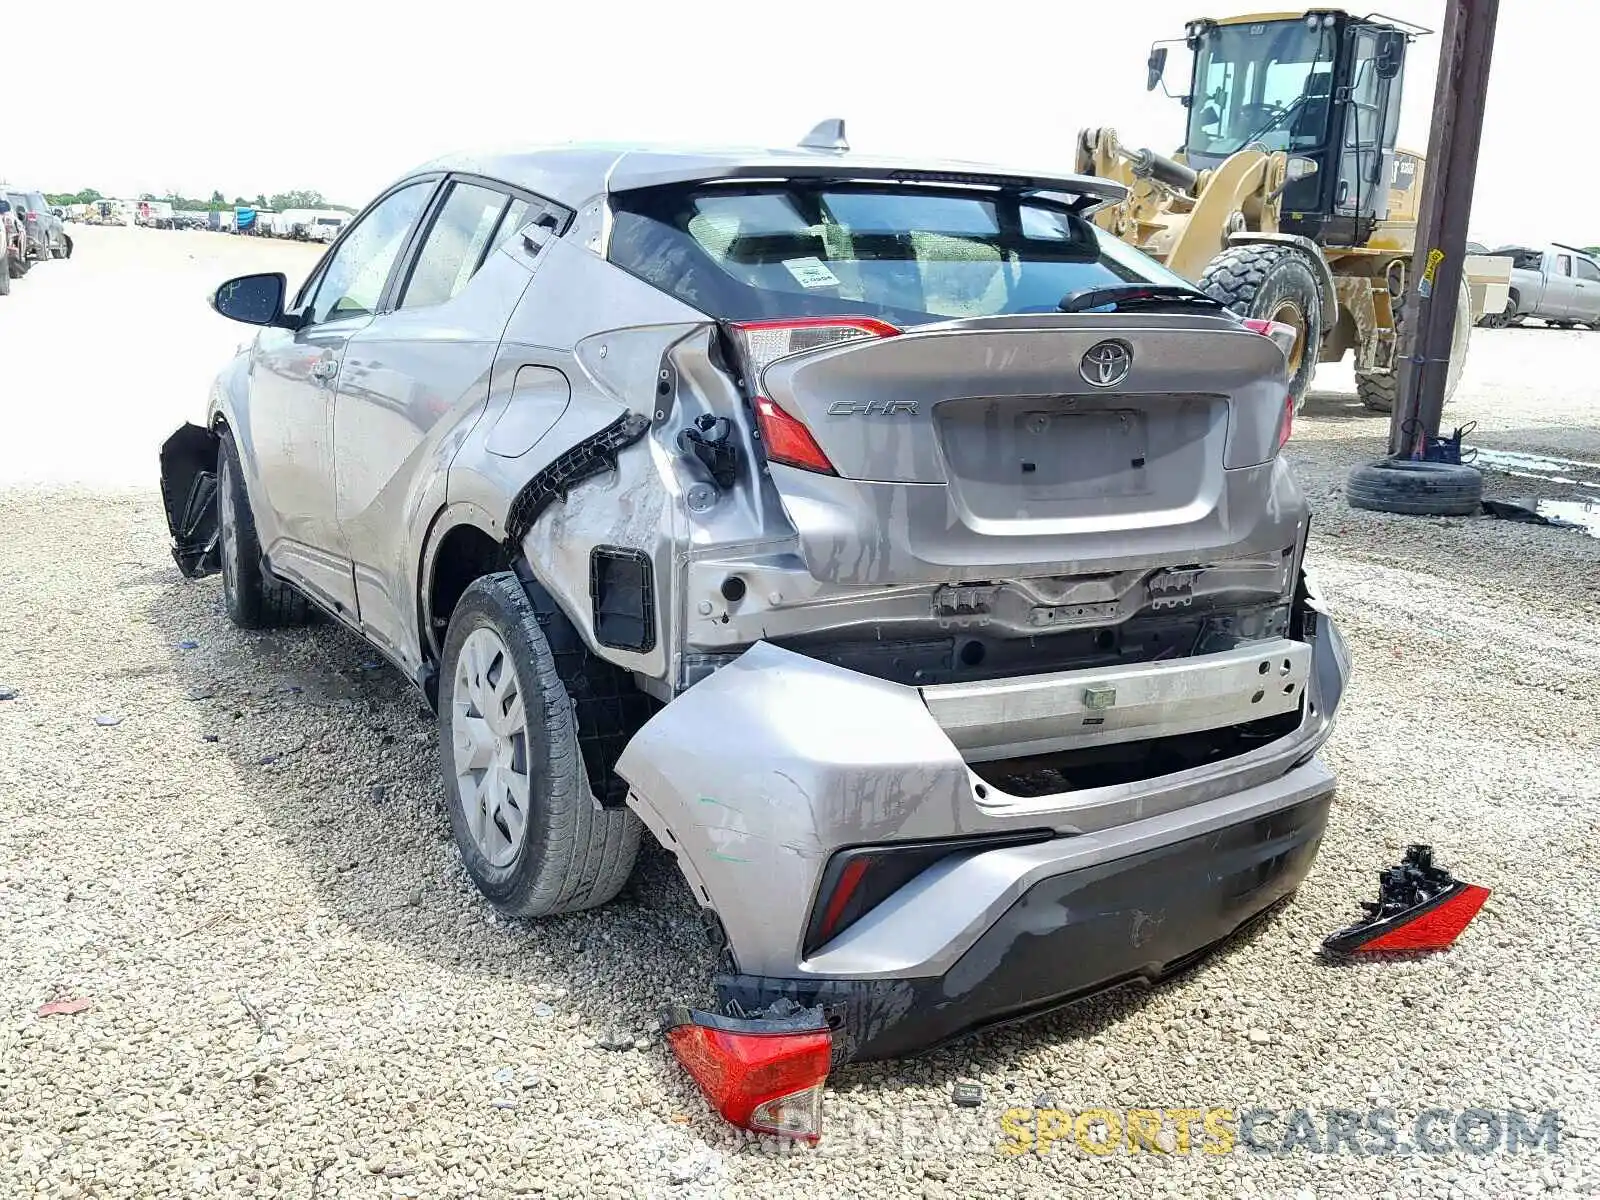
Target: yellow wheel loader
1288 199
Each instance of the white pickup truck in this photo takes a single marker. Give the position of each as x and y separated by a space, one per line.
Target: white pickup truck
1558 284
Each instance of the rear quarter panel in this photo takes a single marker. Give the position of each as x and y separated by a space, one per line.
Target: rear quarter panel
605 332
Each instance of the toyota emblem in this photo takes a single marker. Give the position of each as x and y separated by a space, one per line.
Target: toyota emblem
1106 364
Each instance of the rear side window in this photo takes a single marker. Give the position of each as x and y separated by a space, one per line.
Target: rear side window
455 245
906 254
1587 270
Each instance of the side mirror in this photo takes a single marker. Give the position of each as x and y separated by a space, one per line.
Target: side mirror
253 299
1391 53
1156 65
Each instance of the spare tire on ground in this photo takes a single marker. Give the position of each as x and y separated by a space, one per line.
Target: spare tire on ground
1398 485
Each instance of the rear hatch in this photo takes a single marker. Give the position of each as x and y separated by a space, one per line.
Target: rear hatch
928 412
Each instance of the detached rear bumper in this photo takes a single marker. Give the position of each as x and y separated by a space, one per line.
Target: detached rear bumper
1048 878
1100 911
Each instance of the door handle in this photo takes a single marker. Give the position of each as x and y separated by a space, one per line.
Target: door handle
324 369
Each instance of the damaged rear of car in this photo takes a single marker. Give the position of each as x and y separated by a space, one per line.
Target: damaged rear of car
916 563
1015 683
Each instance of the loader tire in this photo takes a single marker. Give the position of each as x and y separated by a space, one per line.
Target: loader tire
1378 392
1398 485
1275 283
533 837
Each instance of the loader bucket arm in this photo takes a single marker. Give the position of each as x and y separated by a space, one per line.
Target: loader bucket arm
1239 184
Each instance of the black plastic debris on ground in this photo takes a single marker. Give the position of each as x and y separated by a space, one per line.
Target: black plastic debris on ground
966 1095
1544 512
7 693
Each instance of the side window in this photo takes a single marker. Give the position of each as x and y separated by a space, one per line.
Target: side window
353 280
1564 264
454 246
1587 270
510 224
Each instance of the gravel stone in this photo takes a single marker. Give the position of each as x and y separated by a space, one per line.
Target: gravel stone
269 1019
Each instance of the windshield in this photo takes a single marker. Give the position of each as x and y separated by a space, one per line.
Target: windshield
908 255
1268 82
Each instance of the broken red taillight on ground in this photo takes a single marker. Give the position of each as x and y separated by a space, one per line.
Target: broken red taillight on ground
1420 907
762 1073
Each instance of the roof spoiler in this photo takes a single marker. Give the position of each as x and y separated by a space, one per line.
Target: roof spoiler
1082 193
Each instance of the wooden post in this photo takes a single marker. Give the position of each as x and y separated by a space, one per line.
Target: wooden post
1435 281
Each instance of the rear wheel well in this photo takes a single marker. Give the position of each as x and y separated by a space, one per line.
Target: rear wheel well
465 553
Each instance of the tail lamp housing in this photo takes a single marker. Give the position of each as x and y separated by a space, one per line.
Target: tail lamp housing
764 1074
1420 907
761 343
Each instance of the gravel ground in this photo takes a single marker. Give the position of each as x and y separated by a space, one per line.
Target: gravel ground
230 846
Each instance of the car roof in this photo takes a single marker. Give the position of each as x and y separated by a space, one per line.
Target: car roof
574 174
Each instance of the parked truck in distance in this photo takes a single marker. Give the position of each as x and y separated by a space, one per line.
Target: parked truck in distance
1558 284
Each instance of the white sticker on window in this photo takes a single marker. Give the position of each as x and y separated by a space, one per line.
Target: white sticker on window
811 272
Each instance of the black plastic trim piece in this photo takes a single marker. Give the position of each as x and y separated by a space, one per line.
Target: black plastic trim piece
590 457
1139 919
189 496
622 591
782 1016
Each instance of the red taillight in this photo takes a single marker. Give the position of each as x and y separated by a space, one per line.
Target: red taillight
1286 425
763 343
1436 929
1283 336
1420 906
849 880
787 441
761 1075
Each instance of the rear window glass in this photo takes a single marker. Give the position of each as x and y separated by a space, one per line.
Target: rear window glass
907 254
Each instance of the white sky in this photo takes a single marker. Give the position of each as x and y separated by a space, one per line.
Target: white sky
342 97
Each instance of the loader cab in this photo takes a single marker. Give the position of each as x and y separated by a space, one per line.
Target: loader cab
1324 88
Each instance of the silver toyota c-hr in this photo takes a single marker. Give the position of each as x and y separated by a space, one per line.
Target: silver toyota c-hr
918 564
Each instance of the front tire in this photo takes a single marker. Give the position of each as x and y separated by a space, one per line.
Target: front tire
1274 283
254 598
531 834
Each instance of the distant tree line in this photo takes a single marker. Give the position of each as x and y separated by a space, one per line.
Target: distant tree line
217 203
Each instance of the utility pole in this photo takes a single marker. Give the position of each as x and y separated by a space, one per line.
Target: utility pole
1435 280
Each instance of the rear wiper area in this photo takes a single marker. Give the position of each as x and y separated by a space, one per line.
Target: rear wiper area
1124 296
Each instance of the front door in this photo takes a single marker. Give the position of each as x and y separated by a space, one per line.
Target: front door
289 426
